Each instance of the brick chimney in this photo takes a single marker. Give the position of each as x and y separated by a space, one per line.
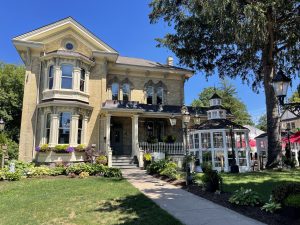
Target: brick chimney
170 61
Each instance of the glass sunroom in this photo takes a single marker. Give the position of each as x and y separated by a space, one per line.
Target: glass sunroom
217 139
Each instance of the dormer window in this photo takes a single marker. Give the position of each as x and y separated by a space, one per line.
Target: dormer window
50 77
66 76
115 91
150 95
126 91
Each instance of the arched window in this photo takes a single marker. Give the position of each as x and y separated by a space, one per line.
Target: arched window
64 128
149 95
50 77
48 125
79 129
159 95
115 91
66 76
126 92
82 80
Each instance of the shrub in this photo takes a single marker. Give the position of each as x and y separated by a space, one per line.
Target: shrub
281 192
245 197
271 206
170 170
101 159
97 169
147 157
84 175
12 176
156 167
169 139
38 171
292 201
2 174
78 168
113 172
56 171
60 148
211 180
206 166
80 148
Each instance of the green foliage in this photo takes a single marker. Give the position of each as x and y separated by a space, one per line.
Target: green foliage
169 139
38 171
11 98
12 146
292 200
58 170
101 159
147 157
79 167
271 206
112 172
152 139
170 171
230 101
211 179
83 175
157 166
262 122
45 148
281 192
60 148
80 148
10 176
245 197
296 95
206 166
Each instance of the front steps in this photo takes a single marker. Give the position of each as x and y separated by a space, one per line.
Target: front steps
123 162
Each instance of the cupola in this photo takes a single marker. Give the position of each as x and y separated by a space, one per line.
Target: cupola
216 110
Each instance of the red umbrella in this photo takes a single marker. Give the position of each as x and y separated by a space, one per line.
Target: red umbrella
295 138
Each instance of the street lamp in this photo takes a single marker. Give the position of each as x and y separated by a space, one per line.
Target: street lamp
280 84
197 119
186 119
172 120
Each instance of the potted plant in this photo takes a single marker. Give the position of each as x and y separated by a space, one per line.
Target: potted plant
169 139
147 159
101 160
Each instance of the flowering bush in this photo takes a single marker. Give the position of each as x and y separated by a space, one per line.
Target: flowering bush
70 149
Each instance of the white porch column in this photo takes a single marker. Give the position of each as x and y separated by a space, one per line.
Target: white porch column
226 163
107 143
57 76
54 130
74 130
212 150
84 130
135 134
76 78
87 78
247 151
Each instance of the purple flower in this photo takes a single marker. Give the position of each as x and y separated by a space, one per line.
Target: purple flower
37 148
70 149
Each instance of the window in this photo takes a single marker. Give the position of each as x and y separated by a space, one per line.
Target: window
50 77
82 80
149 95
196 138
159 95
218 140
79 129
64 128
221 113
205 139
293 125
115 91
126 92
69 46
66 76
190 141
48 124
214 115
288 126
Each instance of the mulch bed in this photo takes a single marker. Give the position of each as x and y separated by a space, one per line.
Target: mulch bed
222 199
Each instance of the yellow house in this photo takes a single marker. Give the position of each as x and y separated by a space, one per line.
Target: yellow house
79 90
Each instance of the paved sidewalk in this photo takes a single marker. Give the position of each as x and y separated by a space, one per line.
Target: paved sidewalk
187 207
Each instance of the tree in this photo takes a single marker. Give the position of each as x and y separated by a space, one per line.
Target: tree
11 97
262 122
229 100
295 96
240 38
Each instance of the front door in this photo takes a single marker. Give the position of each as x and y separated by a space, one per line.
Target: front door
116 140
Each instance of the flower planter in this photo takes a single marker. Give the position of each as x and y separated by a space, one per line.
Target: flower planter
49 157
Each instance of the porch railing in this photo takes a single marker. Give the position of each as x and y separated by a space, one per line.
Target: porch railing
168 148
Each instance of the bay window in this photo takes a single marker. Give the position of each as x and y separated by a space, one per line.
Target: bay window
126 92
50 77
79 129
66 76
82 80
64 128
149 95
115 91
48 125
159 95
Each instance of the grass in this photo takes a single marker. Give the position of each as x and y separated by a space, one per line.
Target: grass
77 201
262 182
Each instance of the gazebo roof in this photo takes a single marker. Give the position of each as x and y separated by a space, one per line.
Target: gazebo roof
214 124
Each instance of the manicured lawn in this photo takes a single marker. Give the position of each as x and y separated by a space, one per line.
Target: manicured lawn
77 201
262 182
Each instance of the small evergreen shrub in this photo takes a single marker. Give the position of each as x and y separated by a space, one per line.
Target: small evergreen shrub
112 172
245 197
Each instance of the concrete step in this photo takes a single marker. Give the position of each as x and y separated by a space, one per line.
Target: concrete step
123 160
123 163
132 166
122 157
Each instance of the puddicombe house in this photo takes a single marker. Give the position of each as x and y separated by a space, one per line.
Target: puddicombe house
79 90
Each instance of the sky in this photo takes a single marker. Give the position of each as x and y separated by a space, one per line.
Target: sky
122 24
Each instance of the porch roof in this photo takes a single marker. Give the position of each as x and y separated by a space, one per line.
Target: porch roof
136 106
214 124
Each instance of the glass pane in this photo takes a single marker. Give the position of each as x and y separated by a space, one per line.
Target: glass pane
205 139
48 120
82 85
51 83
64 135
82 74
66 83
159 96
219 159
196 138
149 95
80 122
67 70
64 120
115 91
50 77
79 137
47 135
218 140
126 91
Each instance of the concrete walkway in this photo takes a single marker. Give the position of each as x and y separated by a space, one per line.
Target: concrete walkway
186 207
